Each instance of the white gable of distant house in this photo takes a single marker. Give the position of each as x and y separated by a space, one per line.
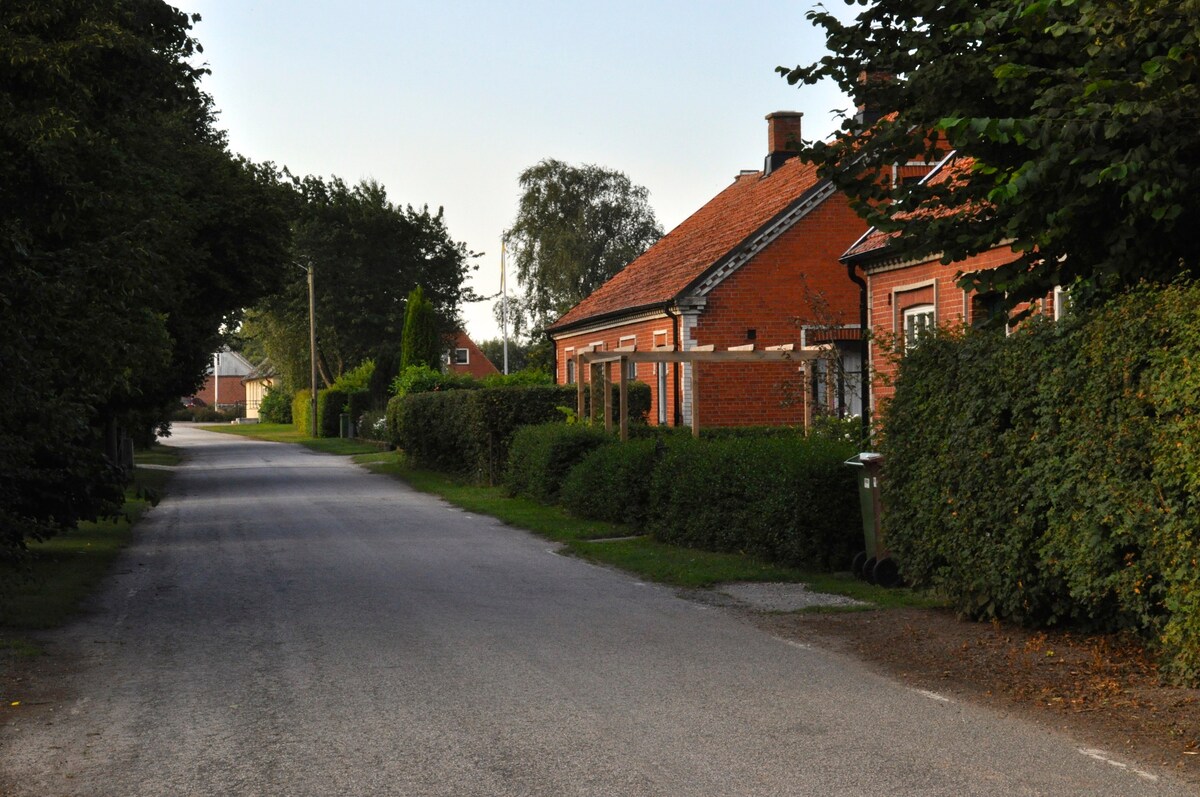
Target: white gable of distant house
231 364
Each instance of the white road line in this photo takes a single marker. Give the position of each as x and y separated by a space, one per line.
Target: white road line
933 696
1100 755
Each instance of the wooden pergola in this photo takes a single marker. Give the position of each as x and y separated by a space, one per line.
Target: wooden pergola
588 356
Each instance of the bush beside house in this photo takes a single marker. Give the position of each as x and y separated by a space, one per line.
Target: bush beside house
1050 476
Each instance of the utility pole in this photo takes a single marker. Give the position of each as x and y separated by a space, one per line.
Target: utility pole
312 347
504 304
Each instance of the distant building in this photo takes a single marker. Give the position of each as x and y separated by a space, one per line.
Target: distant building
466 358
225 389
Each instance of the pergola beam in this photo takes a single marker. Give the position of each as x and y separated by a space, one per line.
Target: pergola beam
589 357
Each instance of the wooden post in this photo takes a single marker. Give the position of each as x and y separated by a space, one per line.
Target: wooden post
608 416
624 406
580 402
695 391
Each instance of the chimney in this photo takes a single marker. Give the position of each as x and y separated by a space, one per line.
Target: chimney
869 112
783 139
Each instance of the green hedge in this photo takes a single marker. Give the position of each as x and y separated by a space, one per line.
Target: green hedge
276 406
541 456
791 500
468 431
302 411
612 483
331 403
1052 476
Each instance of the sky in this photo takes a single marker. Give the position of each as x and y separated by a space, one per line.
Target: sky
445 103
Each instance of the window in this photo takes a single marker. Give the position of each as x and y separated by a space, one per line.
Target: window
571 371
629 341
462 357
661 372
1062 302
987 310
918 321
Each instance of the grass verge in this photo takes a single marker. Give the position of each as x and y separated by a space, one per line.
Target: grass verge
624 548
66 568
286 433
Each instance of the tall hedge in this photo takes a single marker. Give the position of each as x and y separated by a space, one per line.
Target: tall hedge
612 482
791 500
541 456
1051 476
468 431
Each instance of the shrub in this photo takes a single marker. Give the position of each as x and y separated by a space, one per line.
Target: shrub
372 425
302 411
276 406
357 379
541 456
423 379
1050 476
331 403
468 431
788 499
612 482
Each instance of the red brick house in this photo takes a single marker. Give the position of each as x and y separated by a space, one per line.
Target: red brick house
466 358
906 297
757 265
223 387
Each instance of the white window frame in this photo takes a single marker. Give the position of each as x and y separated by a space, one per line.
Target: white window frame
928 311
629 340
1062 302
466 356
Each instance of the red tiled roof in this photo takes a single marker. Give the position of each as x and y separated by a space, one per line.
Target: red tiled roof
683 255
876 240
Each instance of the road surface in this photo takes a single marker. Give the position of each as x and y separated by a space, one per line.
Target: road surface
288 624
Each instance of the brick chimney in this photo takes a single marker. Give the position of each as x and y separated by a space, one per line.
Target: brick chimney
783 138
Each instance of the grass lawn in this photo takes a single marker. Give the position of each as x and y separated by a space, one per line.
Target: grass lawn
626 548
66 568
286 433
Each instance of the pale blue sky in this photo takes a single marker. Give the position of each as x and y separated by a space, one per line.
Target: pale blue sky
445 103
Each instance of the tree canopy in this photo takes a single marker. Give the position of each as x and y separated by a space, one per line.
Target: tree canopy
367 255
576 227
1075 115
128 235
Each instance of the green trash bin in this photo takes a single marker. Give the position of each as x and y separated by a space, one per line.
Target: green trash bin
874 563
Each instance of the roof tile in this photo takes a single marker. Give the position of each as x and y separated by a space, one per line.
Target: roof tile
664 270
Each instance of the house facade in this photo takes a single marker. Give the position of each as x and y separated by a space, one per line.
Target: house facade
223 387
906 297
465 357
257 383
757 266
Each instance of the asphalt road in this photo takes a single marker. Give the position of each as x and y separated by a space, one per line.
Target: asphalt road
288 624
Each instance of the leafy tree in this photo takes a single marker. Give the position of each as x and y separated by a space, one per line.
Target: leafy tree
128 236
1073 114
367 255
576 227
518 353
421 344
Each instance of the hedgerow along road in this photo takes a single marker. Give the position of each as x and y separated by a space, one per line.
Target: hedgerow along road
287 623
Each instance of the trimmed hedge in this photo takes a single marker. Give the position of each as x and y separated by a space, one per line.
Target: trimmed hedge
468 431
612 482
1053 476
302 411
331 403
791 500
541 456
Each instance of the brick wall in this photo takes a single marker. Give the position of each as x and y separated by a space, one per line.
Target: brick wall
232 391
641 334
794 282
890 293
